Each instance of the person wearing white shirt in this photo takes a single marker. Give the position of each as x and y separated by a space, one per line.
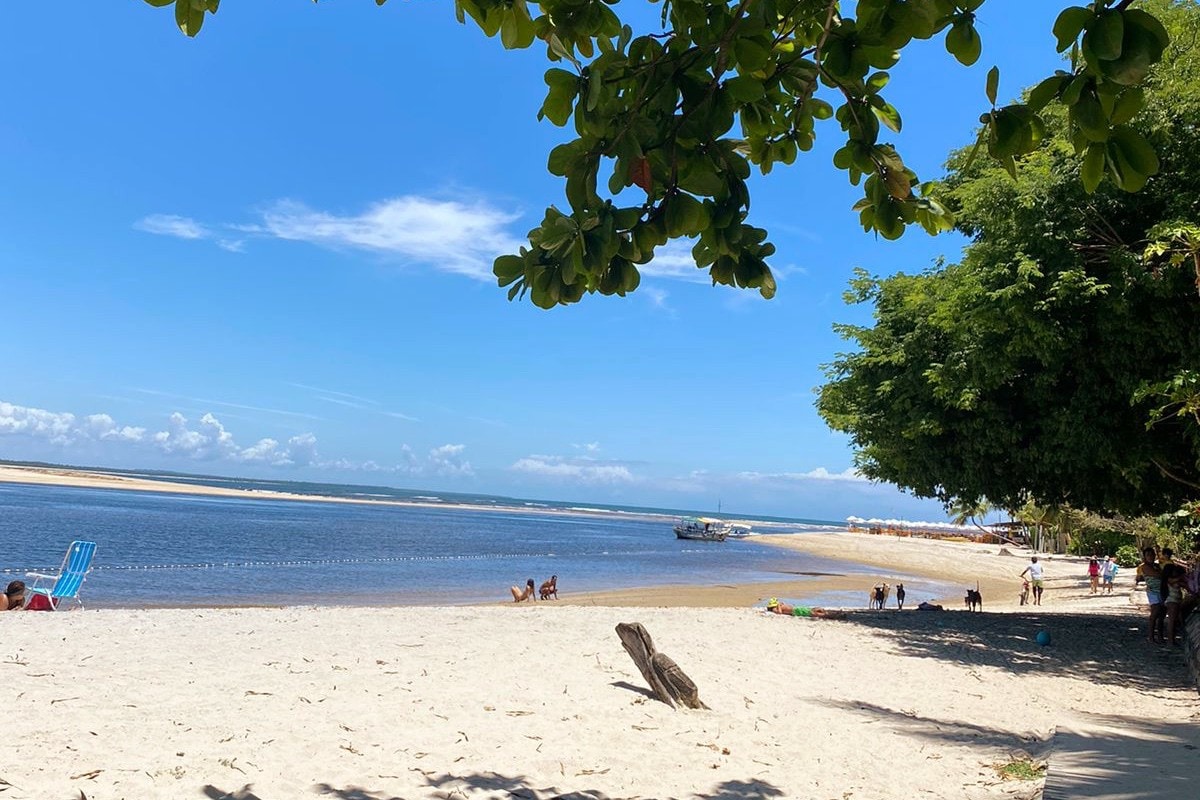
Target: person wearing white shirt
1036 577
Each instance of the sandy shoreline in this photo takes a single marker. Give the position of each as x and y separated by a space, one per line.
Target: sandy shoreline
889 558
539 700
88 479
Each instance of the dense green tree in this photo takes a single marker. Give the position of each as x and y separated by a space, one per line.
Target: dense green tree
670 121
1026 371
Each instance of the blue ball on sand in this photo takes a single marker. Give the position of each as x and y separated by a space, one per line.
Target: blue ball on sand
1043 638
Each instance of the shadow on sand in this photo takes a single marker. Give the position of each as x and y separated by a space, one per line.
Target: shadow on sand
1102 648
518 786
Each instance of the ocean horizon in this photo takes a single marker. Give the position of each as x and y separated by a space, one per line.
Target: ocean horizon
187 550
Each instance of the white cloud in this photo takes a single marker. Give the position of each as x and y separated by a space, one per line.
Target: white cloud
207 439
590 447
674 260
446 460
57 428
462 237
172 225
819 474
102 426
657 298
318 390
580 469
451 236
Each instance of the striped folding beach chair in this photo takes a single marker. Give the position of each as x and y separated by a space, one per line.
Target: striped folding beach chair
67 582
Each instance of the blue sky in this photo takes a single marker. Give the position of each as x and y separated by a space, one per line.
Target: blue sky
267 252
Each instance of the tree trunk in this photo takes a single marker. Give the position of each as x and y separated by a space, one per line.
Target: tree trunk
666 679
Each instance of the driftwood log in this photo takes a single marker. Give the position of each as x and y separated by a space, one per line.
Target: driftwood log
666 679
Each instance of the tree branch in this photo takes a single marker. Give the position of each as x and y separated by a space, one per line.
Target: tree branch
1166 472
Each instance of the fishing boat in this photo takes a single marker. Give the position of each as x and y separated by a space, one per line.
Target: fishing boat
704 529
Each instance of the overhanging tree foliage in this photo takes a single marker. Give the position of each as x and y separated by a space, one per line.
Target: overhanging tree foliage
1038 367
669 122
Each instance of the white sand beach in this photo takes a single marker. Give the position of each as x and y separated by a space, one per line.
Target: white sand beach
540 700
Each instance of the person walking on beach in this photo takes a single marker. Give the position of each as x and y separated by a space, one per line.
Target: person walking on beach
13 597
1094 575
1108 572
1151 573
1037 577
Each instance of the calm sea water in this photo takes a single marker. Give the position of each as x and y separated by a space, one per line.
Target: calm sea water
186 550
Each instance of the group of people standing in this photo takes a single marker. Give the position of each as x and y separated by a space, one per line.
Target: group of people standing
1105 570
1166 581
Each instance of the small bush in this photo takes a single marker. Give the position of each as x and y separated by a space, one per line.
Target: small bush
1128 556
1021 769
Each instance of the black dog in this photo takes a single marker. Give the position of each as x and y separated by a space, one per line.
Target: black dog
974 600
900 596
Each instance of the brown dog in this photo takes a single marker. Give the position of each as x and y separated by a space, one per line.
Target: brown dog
878 596
550 588
974 600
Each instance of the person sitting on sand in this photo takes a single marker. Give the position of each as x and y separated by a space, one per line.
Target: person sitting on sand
776 607
519 595
14 597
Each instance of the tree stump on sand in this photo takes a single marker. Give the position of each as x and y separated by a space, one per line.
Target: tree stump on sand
668 682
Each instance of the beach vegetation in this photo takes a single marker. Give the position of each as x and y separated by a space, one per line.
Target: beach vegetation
667 122
1021 769
1053 364
1128 555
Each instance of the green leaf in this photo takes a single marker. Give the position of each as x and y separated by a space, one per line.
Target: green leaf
1149 24
561 97
963 43
1074 89
1104 35
1092 169
565 158
508 268
1135 150
1144 41
1128 104
160 3
1089 117
993 83
189 18
745 89
1046 91
751 56
1070 24
888 115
